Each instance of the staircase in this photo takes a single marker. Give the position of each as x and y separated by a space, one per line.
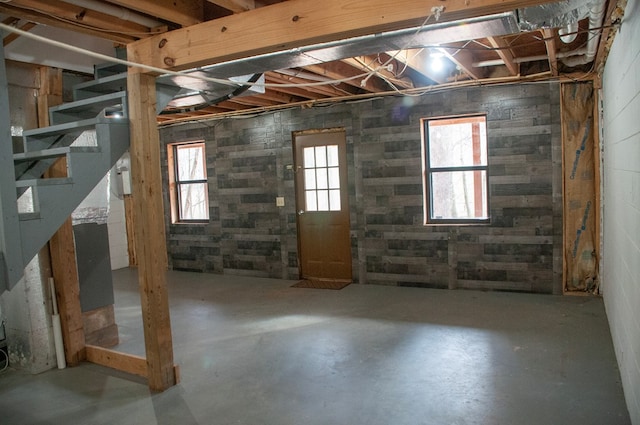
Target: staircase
92 133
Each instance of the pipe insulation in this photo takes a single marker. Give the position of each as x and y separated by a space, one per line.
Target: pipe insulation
596 16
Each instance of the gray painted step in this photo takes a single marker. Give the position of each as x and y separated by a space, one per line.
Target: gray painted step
56 136
111 104
55 199
44 182
104 85
105 69
52 153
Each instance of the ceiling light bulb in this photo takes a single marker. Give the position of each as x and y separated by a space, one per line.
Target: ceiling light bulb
436 61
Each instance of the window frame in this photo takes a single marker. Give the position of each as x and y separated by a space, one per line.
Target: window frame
429 171
175 183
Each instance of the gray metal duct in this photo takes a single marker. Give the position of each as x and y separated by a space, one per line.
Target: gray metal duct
430 35
553 15
563 14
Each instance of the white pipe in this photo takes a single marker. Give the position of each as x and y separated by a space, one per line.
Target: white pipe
559 55
57 329
596 15
117 11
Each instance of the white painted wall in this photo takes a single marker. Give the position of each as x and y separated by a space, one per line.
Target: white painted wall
621 201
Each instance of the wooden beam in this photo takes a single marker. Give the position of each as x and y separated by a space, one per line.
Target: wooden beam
13 36
44 19
298 23
62 248
299 77
149 230
10 21
277 96
84 16
183 12
340 70
614 12
128 363
548 35
369 63
294 91
463 60
236 6
504 51
417 60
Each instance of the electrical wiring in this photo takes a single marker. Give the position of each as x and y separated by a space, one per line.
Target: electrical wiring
435 12
161 71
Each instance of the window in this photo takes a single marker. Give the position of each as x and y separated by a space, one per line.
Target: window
188 182
455 170
321 178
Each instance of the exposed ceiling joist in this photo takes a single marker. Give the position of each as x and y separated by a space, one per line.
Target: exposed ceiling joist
271 78
503 50
236 6
183 12
12 37
44 19
417 60
370 64
82 16
464 61
298 23
299 78
340 70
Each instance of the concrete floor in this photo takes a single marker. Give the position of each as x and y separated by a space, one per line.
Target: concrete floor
256 351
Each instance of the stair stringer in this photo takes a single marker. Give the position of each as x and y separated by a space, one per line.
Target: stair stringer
57 202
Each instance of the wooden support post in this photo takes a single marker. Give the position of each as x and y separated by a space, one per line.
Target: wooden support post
62 246
149 230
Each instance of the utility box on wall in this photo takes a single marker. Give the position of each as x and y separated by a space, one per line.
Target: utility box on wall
96 284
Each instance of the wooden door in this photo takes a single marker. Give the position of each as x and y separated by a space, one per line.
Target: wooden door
324 244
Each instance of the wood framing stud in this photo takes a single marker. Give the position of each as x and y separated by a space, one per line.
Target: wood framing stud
549 40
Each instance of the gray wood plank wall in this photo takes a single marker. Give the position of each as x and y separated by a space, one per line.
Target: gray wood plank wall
248 159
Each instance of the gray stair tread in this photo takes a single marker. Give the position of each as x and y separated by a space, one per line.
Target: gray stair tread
98 102
29 216
62 128
104 84
44 182
109 69
53 152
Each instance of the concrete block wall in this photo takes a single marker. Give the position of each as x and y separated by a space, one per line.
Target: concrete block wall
248 163
621 202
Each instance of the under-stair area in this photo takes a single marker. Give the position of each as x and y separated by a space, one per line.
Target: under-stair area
91 133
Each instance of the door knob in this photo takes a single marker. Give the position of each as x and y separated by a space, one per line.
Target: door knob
300 212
